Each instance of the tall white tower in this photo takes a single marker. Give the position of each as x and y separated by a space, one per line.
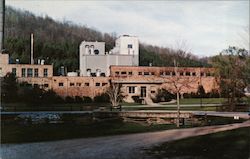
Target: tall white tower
94 61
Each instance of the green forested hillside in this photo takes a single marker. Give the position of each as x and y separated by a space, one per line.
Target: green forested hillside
58 42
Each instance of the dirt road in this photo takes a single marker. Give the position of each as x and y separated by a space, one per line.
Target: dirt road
111 147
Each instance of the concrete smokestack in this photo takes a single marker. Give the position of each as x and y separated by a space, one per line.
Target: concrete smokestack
2 19
32 49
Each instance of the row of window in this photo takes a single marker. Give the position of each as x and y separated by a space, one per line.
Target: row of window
46 85
30 72
123 73
71 84
167 73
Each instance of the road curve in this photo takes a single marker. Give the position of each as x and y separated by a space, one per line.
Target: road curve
110 147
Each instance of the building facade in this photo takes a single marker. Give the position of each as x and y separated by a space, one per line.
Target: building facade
99 69
24 70
94 61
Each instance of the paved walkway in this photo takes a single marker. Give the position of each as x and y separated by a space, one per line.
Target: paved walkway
111 147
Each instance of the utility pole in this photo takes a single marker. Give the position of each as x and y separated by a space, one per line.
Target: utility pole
2 21
178 97
199 88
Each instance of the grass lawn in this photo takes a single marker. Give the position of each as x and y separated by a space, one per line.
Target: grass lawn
234 144
16 133
77 126
204 100
52 107
203 108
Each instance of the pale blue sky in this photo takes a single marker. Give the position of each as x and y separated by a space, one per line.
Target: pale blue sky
206 27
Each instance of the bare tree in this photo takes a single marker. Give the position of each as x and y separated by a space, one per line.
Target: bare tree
178 84
115 94
243 38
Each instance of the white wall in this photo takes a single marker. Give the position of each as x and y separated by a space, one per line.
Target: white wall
121 55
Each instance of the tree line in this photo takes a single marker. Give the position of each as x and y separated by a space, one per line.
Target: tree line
58 42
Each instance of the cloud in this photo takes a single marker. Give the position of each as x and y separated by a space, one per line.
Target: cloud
208 27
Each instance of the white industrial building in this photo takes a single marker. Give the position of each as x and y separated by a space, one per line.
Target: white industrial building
94 61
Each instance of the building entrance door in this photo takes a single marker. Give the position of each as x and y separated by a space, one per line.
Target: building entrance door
143 91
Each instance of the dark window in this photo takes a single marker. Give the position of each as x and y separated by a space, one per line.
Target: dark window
152 73
130 73
202 73
93 74
97 84
86 84
71 84
46 85
123 73
29 72
36 72
143 91
60 84
78 84
130 46
23 72
86 46
187 73
14 71
173 73
193 74
104 84
45 72
117 73
96 52
208 74
139 73
167 73
161 73
146 73
181 73
153 92
131 89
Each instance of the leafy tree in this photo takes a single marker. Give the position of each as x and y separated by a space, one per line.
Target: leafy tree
201 91
233 69
9 88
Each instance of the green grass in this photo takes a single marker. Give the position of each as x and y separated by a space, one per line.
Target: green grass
234 144
79 126
16 133
52 107
203 108
204 100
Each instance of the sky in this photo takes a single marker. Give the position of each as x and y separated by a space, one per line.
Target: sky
204 28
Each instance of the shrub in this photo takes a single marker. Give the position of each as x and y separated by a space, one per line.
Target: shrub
69 99
191 95
87 99
163 96
102 98
78 99
201 91
51 97
136 99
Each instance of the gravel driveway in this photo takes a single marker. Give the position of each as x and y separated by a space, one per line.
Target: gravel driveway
110 147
